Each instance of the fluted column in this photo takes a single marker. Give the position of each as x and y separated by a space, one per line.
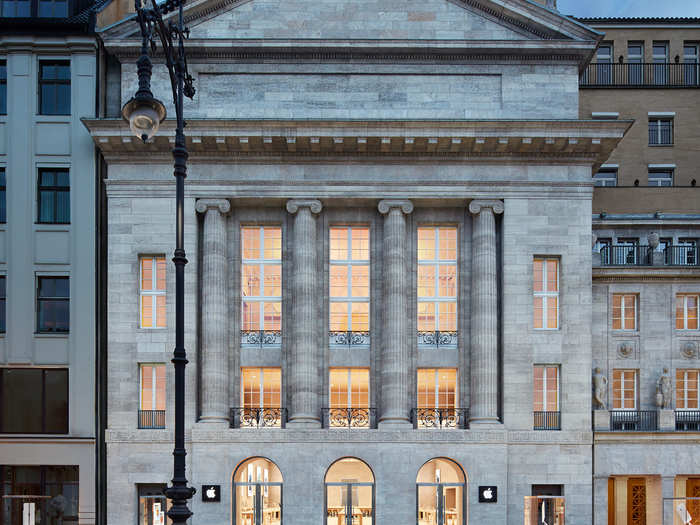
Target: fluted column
215 318
484 313
395 379
303 364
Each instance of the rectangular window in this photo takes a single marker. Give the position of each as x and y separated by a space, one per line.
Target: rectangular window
349 387
52 9
3 197
2 304
53 302
546 388
349 279
54 87
660 60
34 401
635 59
685 253
437 388
661 177
437 284
691 61
152 395
152 291
3 87
604 60
605 177
687 312
546 293
261 283
261 387
16 8
624 313
660 131
624 390
686 389
153 505
54 196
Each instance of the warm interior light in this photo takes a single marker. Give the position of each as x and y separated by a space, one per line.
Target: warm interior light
144 116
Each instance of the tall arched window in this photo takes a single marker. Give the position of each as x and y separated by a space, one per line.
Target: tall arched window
349 493
441 496
257 488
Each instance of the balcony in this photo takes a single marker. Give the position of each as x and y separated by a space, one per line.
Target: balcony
647 75
349 417
634 421
440 418
263 417
261 339
348 339
626 255
151 418
437 339
546 421
688 420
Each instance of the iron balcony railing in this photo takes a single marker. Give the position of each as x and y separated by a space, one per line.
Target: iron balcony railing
351 417
688 420
634 420
263 417
261 338
647 75
682 256
435 418
625 255
350 339
546 420
438 339
151 418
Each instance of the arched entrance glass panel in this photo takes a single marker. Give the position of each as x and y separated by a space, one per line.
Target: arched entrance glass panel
440 494
257 488
349 493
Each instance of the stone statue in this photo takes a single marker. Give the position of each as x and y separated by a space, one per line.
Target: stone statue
664 386
600 389
653 240
57 507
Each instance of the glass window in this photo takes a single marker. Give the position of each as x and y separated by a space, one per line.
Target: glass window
261 387
54 87
662 177
660 131
624 389
349 279
349 398
437 388
687 311
605 177
3 87
152 395
544 509
603 66
52 8
686 389
546 293
3 299
546 388
54 196
257 487
34 401
624 313
16 8
153 505
261 284
437 281
440 484
53 301
635 59
349 492
152 291
691 71
660 60
3 197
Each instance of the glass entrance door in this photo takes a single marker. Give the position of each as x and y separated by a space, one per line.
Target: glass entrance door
23 510
258 503
440 503
349 503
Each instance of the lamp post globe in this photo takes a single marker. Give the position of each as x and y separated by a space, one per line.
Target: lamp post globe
144 116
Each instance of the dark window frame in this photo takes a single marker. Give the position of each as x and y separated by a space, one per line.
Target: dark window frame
40 300
3 87
3 303
3 196
55 189
54 82
44 372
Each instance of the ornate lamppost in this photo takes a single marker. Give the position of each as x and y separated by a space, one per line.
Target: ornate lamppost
145 114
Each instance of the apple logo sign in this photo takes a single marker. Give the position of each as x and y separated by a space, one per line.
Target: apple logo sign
488 494
211 492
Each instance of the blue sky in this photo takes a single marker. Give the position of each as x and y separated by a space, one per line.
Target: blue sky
590 8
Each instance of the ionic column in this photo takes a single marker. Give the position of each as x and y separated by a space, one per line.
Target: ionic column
215 318
395 379
303 364
484 313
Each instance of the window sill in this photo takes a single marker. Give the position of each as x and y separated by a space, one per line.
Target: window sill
619 331
57 224
546 330
52 335
661 145
151 329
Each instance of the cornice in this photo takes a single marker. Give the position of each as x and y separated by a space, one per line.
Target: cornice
645 274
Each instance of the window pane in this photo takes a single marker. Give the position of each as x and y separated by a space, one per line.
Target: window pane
447 281
339 317
360 281
160 311
62 207
273 280
21 400
552 276
46 206
250 281
146 273
273 243
360 244
160 273
448 244
538 275
147 387
146 311
552 312
680 312
426 244
426 317
360 317
338 280
448 317
273 316
338 244
160 387
426 280
251 316
250 239
538 307
56 410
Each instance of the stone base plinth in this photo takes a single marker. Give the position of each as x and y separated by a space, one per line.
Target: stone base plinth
667 420
303 422
394 424
601 420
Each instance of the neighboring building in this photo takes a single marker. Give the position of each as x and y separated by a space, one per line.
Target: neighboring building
646 271
47 263
387 218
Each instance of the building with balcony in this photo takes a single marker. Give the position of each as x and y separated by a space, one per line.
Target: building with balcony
48 82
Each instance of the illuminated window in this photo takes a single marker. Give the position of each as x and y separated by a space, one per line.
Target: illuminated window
261 387
546 388
257 493
152 396
349 280
349 493
624 314
546 293
441 496
152 285
437 284
686 389
153 505
624 389
686 312
261 284
349 397
437 388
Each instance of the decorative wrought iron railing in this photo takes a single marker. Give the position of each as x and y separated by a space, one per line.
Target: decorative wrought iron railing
261 338
682 256
438 339
349 417
625 255
440 418
634 420
263 417
546 420
352 339
151 418
688 420
647 75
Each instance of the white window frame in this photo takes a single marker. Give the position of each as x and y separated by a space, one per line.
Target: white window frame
635 58
657 122
635 389
436 392
603 179
623 309
349 263
154 377
544 385
691 60
685 310
154 293
545 294
261 385
348 384
657 181
604 58
260 262
685 389
436 299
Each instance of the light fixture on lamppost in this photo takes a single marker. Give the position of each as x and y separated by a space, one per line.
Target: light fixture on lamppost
145 114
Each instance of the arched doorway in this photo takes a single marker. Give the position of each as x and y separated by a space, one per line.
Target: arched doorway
257 489
349 493
440 494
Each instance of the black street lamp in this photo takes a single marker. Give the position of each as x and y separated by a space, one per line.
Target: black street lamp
144 114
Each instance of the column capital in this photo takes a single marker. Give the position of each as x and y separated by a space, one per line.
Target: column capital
223 205
314 205
386 205
476 206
